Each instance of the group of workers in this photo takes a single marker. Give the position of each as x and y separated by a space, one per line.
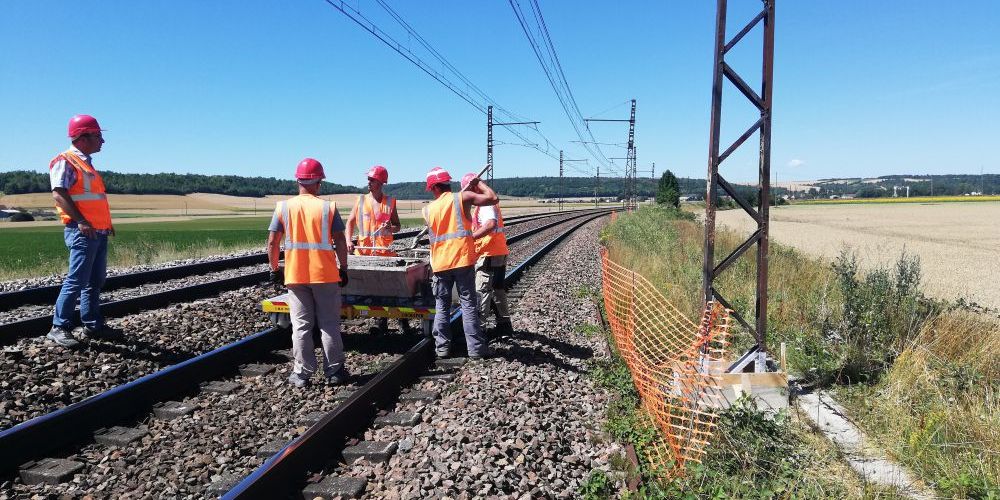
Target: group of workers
468 251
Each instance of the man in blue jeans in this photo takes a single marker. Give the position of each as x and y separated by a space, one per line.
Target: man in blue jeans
82 205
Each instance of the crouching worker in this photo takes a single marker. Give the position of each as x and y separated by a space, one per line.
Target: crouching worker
311 230
491 267
453 257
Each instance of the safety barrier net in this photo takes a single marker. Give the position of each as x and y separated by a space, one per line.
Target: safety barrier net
675 363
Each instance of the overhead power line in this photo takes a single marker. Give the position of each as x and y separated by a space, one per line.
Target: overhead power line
474 95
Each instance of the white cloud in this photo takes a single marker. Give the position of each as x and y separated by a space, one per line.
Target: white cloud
795 162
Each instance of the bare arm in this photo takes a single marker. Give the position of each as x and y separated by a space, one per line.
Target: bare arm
394 224
274 248
484 229
349 231
63 201
479 194
340 244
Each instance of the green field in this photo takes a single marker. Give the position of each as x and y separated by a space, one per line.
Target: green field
39 251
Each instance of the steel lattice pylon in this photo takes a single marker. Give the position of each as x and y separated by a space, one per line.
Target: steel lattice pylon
711 270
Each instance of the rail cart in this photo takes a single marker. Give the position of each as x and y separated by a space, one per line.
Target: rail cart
397 287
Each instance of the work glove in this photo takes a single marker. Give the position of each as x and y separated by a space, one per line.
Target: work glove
343 277
277 276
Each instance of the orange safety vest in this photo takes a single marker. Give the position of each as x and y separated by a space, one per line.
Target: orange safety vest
494 242
369 234
309 252
87 192
451 240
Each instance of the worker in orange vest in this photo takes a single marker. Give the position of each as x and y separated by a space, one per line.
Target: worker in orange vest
375 216
82 204
491 267
311 231
453 257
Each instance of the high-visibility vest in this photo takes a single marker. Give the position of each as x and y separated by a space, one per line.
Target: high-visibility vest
309 252
87 193
450 233
492 243
369 234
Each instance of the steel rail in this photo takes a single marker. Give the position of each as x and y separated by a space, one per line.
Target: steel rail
49 293
326 438
39 325
34 438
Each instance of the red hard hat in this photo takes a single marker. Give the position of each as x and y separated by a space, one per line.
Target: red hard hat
83 124
379 173
467 179
310 169
437 175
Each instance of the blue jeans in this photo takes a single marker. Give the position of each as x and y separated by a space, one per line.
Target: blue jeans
464 279
88 267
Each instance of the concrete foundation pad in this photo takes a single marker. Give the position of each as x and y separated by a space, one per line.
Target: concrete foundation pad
444 377
311 418
169 410
398 418
372 451
220 387
418 396
830 418
256 370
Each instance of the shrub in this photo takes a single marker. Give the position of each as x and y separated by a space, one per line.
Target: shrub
21 217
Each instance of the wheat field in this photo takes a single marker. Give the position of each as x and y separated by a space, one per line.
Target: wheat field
958 243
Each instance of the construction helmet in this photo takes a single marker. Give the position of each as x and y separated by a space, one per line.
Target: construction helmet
83 124
310 171
468 178
437 175
379 173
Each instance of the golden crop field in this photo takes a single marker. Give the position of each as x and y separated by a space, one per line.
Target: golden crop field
958 243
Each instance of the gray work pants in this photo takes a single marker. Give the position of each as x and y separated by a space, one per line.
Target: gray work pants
314 305
464 279
490 272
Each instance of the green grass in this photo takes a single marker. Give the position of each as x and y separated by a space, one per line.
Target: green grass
39 251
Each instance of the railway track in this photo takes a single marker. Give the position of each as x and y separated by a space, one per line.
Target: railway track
24 318
75 423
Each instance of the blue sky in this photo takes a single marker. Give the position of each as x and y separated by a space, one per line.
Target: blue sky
251 87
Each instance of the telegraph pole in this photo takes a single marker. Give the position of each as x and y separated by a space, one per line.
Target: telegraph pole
597 188
489 140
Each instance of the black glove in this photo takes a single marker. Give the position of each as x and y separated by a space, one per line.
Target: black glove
343 277
277 276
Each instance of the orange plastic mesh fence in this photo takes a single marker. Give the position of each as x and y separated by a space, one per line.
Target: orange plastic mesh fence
675 363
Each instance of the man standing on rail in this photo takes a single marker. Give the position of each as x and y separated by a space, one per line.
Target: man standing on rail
312 231
453 257
82 205
491 267
375 216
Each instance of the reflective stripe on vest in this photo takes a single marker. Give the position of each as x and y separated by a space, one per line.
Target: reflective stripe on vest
493 243
461 233
362 215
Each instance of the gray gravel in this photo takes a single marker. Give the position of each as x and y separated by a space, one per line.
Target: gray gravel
527 422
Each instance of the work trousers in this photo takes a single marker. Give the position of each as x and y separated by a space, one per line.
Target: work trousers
313 305
464 279
88 268
490 272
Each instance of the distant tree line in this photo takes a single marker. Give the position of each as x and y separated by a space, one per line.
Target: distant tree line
23 181
920 185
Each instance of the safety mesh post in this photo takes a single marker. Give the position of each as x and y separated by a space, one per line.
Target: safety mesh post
675 364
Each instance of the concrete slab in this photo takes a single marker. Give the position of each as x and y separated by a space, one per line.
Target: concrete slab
220 387
398 418
119 436
271 448
311 418
256 370
49 471
830 418
342 395
223 484
169 410
335 487
419 396
449 363
372 451
443 377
